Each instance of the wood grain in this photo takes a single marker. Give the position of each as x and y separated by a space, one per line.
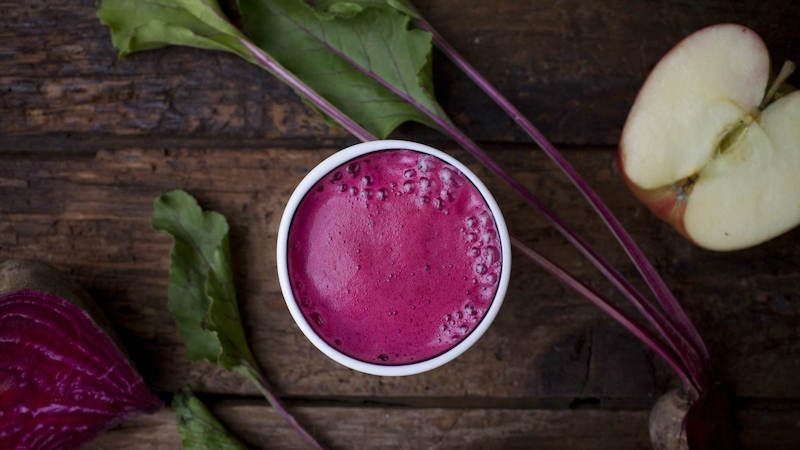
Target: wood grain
442 429
87 141
90 214
402 429
572 66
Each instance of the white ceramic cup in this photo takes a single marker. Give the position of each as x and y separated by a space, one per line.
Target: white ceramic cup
318 173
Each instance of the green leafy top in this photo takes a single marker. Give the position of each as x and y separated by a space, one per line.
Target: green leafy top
202 298
148 24
343 50
198 428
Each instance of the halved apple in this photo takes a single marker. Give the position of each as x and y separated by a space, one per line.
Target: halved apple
709 149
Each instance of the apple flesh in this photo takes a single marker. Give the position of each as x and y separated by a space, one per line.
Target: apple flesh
706 148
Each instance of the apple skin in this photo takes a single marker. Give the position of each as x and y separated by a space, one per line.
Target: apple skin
674 168
668 203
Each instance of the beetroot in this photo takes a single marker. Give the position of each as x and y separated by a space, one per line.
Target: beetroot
667 431
63 380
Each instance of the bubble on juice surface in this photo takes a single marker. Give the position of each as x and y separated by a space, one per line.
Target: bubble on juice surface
424 184
408 187
318 319
423 200
353 168
366 180
342 187
366 193
459 323
491 253
353 190
424 163
336 176
382 194
484 218
446 175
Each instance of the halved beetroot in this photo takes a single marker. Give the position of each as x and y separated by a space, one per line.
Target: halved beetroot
63 379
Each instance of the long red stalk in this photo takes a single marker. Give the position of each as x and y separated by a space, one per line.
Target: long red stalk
274 67
675 326
666 353
692 364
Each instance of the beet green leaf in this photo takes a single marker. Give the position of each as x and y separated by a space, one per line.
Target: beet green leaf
197 426
202 297
360 55
149 24
317 44
201 293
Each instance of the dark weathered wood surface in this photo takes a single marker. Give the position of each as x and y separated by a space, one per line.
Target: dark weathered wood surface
87 142
443 429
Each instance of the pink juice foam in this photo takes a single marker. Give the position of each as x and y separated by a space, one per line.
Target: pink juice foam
394 257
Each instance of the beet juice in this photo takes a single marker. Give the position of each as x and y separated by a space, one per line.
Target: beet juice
394 257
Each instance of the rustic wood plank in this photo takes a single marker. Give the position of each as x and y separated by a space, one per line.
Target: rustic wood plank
573 66
90 215
147 432
87 141
401 429
443 429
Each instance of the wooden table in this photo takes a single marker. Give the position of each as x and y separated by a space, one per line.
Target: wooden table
88 141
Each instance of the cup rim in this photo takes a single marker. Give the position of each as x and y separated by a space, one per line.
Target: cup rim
318 173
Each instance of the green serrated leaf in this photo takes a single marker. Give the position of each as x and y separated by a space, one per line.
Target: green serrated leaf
138 25
328 47
327 50
197 426
401 5
202 298
405 7
344 9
